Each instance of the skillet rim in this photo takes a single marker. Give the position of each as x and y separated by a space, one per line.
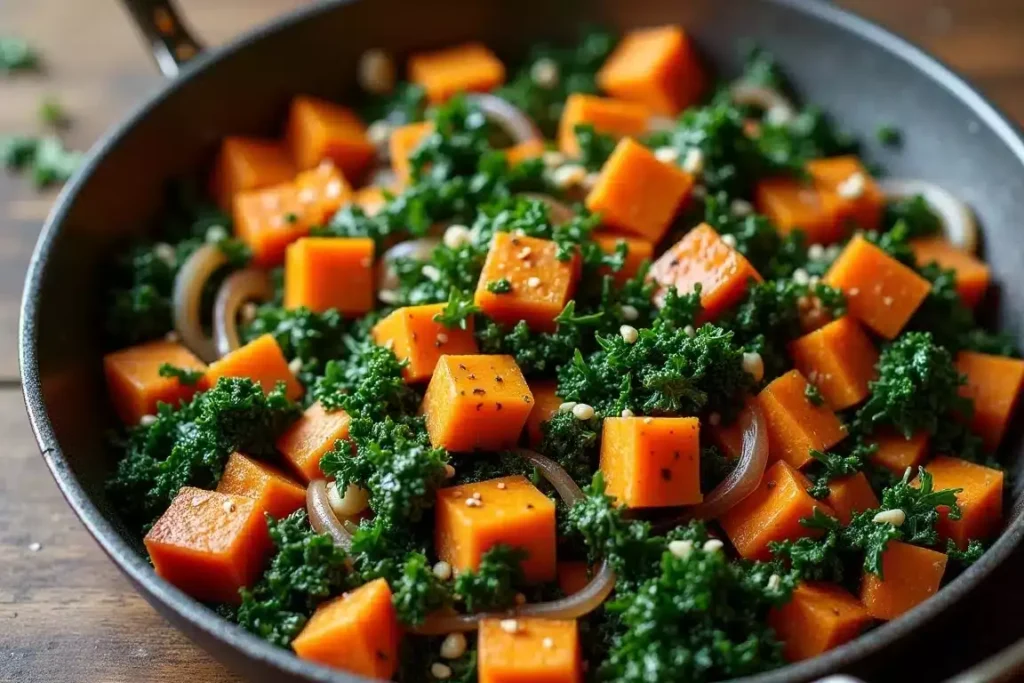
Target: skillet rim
200 621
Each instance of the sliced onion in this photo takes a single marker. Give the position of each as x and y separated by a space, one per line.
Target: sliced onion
957 219
322 517
555 474
777 107
559 212
188 298
418 249
238 288
512 119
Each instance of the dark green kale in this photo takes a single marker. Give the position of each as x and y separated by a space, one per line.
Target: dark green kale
890 136
572 443
773 255
966 557
595 147
312 338
761 68
915 214
416 591
406 104
474 467
367 382
459 309
786 147
849 458
183 375
17 55
813 394
53 114
714 467
494 584
46 159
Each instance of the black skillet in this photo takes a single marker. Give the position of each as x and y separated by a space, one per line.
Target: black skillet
860 72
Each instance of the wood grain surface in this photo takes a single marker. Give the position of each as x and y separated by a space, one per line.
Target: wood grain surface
66 614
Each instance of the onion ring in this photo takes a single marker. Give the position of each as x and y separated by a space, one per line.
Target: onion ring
188 298
512 119
568 489
559 212
958 223
322 517
238 288
418 249
777 107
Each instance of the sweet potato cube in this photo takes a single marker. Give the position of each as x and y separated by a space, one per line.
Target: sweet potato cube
209 544
910 575
880 291
655 66
509 511
356 632
980 501
839 358
617 118
535 651
319 130
638 250
524 151
274 492
545 405
321 273
403 143
262 361
896 452
476 402
795 425
651 461
573 576
994 384
541 284
134 381
792 204
416 337
859 200
849 495
248 164
972 275
702 258
305 442
464 68
638 194
772 512
819 617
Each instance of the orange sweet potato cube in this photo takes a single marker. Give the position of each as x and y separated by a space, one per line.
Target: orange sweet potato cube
274 492
792 204
356 632
896 452
972 275
849 495
839 358
262 361
638 250
134 381
993 384
859 200
416 337
980 501
524 151
772 512
880 291
819 617
403 142
655 66
638 194
319 130
617 118
651 461
305 442
463 68
795 425
476 402
509 511
702 258
541 284
545 405
535 651
248 164
322 273
573 576
910 575
209 544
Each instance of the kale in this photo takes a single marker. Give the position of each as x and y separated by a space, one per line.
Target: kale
813 394
474 467
595 147
416 591
678 311
714 467
572 443
53 114
787 147
183 375
889 136
367 382
772 254
915 214
493 585
502 286
850 459
459 139
406 104
966 557
45 158
457 311
17 55
761 68
306 569
312 338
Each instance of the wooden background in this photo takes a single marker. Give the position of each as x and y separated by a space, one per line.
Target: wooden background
66 614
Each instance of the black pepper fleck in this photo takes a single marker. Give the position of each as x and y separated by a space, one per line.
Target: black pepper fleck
666 474
479 392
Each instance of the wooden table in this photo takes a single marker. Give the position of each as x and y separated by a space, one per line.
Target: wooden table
66 614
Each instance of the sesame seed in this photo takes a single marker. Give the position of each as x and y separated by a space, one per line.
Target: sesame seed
548 643
553 159
439 670
544 73
800 276
533 282
442 570
388 296
648 420
333 189
694 161
376 72
502 486
853 291
774 582
630 313
379 132
509 625
666 155
456 236
165 253
779 115
689 331
713 545
853 187
680 549
741 207
753 365
567 406
714 419
477 495
568 175
473 503
524 253
629 334
147 420
729 241
816 252
431 272
453 646
887 300
626 412
215 234
442 338
295 365
895 517
228 506
307 195
449 471
583 411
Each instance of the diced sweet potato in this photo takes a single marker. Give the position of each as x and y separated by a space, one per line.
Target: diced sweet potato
702 258
524 151
655 66
209 544
573 577
792 204
319 130
545 405
356 632
980 501
839 358
795 425
248 164
849 495
772 512
275 493
416 337
911 575
972 275
880 291
651 461
509 511
262 361
476 403
403 142
638 250
617 118
534 651
322 273
464 68
541 285
819 617
638 194
860 202
305 442
896 452
993 384
134 381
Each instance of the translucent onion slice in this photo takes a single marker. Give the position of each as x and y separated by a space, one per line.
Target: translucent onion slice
957 219
238 288
776 106
188 296
322 517
418 249
559 212
555 474
512 119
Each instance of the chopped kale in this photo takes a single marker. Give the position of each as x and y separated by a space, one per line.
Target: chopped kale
459 309
502 286
17 55
183 375
813 395
493 585
595 147
312 338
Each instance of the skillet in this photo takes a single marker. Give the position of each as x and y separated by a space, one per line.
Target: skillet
856 70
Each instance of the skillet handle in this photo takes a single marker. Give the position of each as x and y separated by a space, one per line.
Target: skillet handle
170 39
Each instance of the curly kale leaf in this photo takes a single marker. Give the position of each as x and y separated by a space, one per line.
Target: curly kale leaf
367 382
493 585
183 375
595 146
457 311
572 443
313 338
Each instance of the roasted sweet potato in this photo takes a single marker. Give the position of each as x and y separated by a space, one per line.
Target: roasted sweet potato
651 461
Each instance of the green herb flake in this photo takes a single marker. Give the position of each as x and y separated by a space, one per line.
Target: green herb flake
502 286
